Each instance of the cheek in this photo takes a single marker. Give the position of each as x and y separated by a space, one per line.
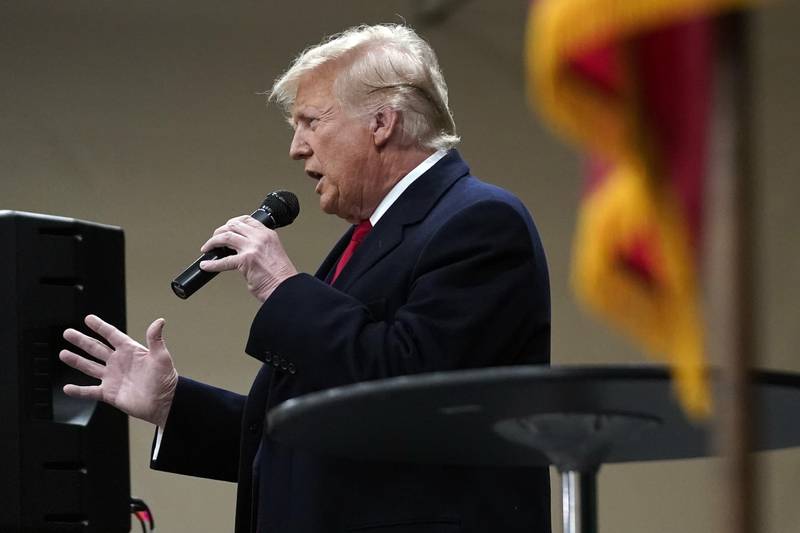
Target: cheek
339 171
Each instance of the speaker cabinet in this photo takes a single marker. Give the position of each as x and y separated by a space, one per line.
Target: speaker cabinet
63 462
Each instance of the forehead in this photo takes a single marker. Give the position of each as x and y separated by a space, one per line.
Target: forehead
314 89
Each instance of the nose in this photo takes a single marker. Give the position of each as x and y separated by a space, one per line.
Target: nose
299 149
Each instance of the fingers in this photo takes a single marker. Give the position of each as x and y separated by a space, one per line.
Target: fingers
114 336
155 335
92 392
90 368
221 265
92 346
228 234
231 224
251 222
227 239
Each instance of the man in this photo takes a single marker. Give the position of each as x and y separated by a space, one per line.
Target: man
439 272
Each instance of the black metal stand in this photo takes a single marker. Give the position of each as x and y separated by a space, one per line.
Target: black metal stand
576 418
576 444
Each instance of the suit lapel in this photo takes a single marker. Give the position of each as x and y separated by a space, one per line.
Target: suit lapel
412 206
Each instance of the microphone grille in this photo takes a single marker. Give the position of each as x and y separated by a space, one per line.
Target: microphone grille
283 206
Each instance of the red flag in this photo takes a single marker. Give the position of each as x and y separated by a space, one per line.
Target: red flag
629 81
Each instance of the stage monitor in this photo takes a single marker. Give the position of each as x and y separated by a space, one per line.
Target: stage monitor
63 462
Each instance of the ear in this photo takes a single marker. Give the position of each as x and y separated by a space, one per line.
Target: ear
384 124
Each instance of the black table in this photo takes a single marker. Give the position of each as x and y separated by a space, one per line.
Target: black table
576 418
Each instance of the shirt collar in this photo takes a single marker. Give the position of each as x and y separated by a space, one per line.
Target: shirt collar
403 184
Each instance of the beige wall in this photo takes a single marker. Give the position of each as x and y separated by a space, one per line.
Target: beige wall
145 115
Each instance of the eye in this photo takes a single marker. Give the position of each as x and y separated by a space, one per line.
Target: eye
302 121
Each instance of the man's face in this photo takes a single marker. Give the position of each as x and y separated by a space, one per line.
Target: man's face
337 148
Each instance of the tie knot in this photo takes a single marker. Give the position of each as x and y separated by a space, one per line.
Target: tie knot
361 231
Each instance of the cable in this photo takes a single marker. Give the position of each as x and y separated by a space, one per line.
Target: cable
141 522
142 512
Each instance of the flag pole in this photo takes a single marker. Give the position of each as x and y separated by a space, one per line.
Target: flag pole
729 271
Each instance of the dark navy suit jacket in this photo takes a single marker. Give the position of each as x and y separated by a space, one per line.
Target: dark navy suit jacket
452 276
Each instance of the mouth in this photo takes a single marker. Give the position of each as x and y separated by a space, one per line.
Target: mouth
314 175
320 180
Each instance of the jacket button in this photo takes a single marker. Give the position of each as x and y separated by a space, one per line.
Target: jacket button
276 361
284 364
267 356
253 427
292 369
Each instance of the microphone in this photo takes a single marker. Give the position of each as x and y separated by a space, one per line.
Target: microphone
278 209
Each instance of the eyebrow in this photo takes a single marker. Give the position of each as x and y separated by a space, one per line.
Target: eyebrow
294 116
303 111
308 113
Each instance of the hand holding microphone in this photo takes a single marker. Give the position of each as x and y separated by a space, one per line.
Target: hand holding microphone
247 244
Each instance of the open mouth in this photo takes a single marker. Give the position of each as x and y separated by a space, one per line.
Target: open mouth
313 175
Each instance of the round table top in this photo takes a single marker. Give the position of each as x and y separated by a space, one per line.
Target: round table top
463 417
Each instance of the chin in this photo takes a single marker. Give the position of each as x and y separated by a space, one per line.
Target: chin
327 207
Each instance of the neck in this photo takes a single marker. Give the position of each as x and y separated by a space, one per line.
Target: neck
395 163
398 163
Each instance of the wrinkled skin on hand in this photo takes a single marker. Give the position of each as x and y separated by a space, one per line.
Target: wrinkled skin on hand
138 380
260 256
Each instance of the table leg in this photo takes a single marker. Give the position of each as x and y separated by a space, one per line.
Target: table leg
579 501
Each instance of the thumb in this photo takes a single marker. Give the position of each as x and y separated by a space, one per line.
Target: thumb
155 335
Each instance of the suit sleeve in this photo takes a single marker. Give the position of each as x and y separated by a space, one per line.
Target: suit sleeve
478 296
201 436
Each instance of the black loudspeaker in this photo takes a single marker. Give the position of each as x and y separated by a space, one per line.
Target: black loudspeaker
63 462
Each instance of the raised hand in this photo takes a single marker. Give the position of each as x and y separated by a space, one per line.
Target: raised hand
260 256
135 379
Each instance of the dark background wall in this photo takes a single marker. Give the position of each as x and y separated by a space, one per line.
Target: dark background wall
147 115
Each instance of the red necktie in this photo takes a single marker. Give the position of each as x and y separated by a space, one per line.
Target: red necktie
359 234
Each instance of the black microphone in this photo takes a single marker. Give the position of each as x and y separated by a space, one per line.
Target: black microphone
278 209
